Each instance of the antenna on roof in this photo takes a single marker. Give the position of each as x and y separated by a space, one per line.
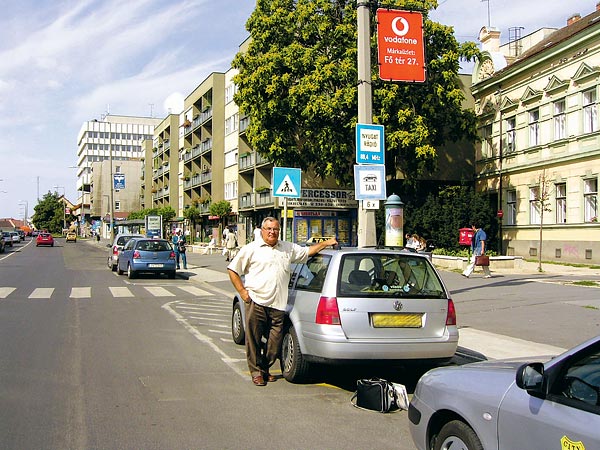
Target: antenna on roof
489 16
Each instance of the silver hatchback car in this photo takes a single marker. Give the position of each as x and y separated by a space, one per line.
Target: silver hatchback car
362 305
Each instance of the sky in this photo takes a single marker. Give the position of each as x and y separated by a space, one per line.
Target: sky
64 62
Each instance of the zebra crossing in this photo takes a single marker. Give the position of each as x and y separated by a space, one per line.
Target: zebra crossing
87 292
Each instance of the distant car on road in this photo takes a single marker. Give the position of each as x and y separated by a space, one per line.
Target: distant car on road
117 246
7 238
21 234
511 404
143 255
362 305
71 237
15 237
44 239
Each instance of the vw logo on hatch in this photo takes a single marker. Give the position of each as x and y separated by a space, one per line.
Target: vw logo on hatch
398 305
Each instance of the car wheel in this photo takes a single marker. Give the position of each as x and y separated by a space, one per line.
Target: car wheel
457 435
293 365
238 333
171 274
130 272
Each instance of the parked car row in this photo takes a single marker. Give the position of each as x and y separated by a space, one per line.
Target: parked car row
10 238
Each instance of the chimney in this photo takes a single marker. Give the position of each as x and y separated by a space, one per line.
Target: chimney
574 18
490 39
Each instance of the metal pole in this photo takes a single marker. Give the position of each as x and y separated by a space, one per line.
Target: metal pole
366 218
111 181
285 209
500 149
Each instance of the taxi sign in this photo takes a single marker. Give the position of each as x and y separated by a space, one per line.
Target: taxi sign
369 182
370 144
287 182
400 45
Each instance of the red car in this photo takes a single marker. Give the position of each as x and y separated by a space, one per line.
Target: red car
44 239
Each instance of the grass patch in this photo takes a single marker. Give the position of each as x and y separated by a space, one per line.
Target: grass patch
585 283
591 307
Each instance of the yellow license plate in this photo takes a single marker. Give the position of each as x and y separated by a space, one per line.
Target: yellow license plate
397 320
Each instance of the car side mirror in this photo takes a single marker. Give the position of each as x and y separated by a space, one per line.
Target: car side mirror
531 378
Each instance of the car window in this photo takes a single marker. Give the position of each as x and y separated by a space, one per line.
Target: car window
311 276
153 246
389 274
580 381
129 245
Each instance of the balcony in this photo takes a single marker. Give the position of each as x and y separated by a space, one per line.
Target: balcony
206 145
264 198
246 161
244 122
206 115
246 200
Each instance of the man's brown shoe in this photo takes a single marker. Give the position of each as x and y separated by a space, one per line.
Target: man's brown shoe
258 380
270 378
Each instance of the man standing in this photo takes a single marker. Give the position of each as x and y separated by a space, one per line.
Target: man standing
266 266
178 241
478 249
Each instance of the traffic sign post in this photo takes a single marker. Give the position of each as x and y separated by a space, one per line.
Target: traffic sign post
400 45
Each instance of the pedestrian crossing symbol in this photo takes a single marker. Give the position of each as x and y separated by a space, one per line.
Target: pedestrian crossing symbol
286 182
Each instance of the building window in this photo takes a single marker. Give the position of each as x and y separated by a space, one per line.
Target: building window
231 158
487 143
590 199
560 120
231 190
534 127
534 206
230 90
510 135
511 206
117 206
590 111
561 203
231 124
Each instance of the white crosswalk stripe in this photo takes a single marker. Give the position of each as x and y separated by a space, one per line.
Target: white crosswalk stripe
195 291
159 291
81 292
42 293
6 291
120 292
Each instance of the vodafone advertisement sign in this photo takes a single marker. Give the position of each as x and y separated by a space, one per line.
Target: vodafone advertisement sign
401 48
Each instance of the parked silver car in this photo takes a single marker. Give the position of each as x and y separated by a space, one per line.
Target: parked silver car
362 305
7 238
511 404
117 246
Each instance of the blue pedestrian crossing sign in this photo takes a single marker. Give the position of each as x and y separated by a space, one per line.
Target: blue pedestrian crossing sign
287 182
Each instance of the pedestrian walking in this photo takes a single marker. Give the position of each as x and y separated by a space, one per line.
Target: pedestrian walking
179 245
231 244
478 249
265 265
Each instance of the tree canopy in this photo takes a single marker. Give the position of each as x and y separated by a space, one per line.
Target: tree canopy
297 82
50 213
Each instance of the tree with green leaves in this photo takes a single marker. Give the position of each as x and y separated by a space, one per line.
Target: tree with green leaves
49 213
192 214
298 84
222 209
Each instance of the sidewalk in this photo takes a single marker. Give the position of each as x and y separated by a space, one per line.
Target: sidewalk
213 269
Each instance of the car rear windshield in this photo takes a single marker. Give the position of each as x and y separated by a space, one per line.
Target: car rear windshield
388 274
153 246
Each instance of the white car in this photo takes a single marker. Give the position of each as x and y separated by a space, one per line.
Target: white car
16 238
117 246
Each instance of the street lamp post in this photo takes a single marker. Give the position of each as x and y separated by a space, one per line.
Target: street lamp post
26 204
64 206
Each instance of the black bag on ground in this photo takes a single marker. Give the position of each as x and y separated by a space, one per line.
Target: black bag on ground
376 394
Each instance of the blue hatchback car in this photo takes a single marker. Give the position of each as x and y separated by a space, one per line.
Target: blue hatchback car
143 255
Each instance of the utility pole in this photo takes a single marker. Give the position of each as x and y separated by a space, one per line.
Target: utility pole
366 218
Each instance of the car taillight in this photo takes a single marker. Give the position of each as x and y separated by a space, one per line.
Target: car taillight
172 255
115 250
451 315
136 255
328 312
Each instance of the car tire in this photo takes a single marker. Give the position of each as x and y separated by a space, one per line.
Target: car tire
130 272
238 332
293 365
110 265
171 274
457 434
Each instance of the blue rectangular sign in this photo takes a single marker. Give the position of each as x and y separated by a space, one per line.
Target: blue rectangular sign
119 181
370 144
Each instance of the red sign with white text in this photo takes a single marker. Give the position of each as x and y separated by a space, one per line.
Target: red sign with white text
401 47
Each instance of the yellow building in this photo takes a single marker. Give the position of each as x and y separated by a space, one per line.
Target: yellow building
536 98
